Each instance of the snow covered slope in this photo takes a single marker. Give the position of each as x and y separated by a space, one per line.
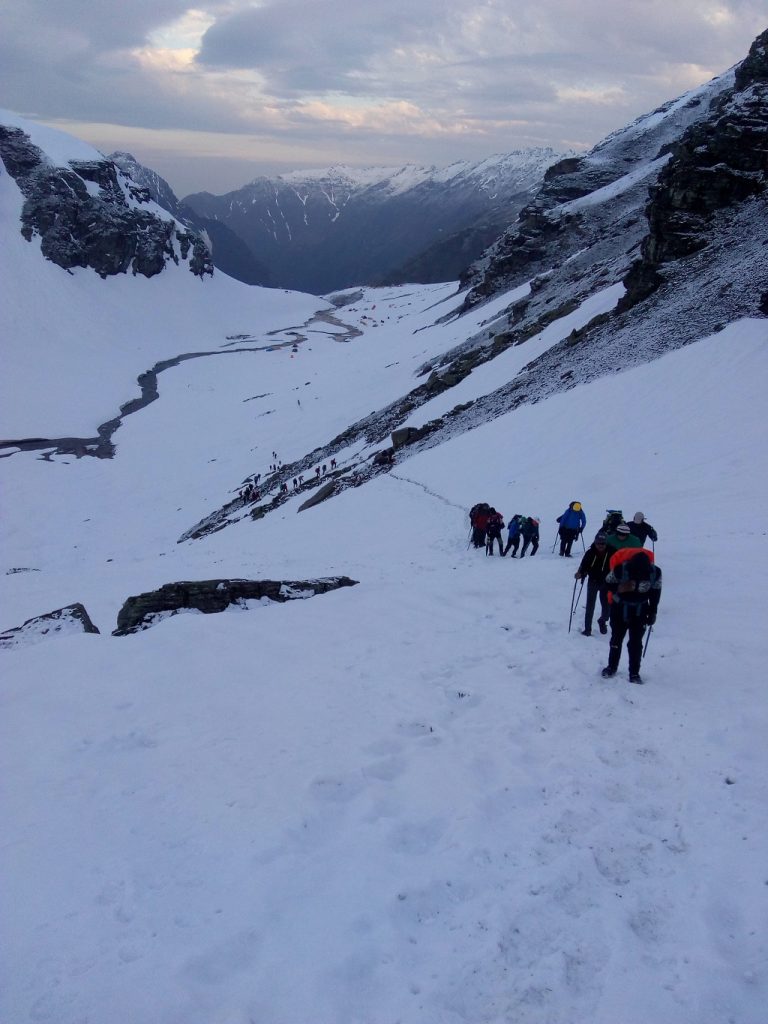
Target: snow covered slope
415 799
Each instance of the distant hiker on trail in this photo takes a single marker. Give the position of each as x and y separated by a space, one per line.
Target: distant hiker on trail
493 531
529 531
641 529
513 537
622 538
594 568
478 520
317 472
295 483
333 463
325 469
572 522
634 585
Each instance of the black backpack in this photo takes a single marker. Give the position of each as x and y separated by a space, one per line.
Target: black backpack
612 519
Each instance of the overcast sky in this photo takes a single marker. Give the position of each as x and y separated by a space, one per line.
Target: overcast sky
214 94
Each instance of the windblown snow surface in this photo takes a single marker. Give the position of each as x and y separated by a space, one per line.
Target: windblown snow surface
414 800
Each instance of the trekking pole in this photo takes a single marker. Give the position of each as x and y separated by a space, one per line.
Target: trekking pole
584 546
573 599
555 544
579 596
645 648
469 538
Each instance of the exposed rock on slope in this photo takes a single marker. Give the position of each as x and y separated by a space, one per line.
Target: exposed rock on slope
229 253
210 596
62 622
716 164
88 215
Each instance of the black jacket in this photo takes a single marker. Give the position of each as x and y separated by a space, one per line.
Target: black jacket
643 531
595 564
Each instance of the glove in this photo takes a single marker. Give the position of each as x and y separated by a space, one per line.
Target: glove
578 576
650 617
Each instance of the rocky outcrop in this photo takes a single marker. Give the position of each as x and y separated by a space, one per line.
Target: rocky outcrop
210 596
64 621
229 253
88 215
716 164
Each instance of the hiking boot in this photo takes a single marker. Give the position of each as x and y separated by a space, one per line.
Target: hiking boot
603 627
608 672
586 632
634 677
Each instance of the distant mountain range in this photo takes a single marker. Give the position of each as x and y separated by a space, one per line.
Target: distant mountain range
321 230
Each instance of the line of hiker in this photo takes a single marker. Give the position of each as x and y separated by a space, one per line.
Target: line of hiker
619 571
486 525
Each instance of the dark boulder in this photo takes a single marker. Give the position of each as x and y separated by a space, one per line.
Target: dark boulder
211 596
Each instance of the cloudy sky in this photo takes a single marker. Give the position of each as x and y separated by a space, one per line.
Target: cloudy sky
214 94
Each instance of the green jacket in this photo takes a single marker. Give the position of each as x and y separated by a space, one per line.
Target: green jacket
613 540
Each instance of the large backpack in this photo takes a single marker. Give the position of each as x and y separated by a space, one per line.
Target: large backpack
612 519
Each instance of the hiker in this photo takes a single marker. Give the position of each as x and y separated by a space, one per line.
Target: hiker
513 537
529 531
594 568
572 522
634 586
333 463
622 538
478 518
493 531
613 516
641 529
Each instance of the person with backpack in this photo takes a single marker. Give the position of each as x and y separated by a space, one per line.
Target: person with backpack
641 529
478 519
634 586
622 537
513 537
529 531
493 531
572 522
594 567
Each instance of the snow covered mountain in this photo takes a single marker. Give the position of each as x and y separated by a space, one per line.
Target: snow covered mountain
86 212
336 765
229 253
327 229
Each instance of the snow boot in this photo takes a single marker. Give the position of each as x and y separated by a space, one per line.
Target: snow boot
586 632
608 672
603 626
634 677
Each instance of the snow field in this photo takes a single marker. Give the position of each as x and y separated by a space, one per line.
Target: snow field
413 800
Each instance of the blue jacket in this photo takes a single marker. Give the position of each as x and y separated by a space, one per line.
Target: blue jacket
572 520
514 527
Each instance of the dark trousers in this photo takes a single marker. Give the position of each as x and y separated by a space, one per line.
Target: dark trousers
633 625
478 536
567 536
534 542
492 536
593 589
514 543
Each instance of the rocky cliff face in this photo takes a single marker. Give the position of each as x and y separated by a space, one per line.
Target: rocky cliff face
716 164
89 214
229 253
